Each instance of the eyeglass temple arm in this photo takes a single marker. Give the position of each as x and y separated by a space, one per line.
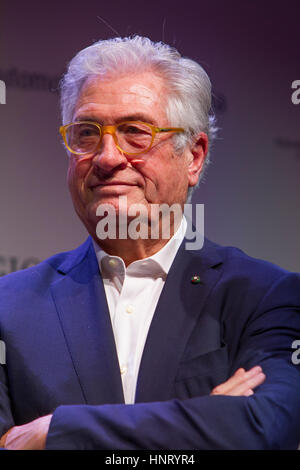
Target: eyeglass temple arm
169 129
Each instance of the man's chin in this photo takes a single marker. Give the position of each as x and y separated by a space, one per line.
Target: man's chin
119 207
114 213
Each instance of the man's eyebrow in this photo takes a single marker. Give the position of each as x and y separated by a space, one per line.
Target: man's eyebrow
130 117
87 118
137 117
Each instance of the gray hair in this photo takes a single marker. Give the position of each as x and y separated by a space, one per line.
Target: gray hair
189 100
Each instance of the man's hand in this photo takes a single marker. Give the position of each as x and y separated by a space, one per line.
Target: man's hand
30 436
241 383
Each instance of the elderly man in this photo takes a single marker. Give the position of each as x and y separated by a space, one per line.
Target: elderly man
136 342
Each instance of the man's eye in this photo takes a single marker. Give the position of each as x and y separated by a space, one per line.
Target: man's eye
134 130
87 132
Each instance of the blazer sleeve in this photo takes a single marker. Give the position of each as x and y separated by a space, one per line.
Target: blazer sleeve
269 419
6 418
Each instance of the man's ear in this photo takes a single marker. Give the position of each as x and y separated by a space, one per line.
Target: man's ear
197 155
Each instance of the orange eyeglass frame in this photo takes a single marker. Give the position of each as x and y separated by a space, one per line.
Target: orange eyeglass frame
111 129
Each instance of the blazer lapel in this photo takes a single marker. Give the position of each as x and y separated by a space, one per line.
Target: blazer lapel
81 305
179 308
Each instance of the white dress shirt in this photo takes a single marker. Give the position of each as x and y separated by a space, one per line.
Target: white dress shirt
132 294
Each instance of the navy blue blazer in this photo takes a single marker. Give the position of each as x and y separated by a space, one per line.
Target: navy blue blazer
61 356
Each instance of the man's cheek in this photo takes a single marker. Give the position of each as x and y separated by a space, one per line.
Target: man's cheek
150 192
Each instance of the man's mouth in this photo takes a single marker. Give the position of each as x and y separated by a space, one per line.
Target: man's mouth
112 183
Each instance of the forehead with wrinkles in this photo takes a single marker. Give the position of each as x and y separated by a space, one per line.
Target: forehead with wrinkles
135 93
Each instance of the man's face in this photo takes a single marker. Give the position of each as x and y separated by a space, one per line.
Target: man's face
162 176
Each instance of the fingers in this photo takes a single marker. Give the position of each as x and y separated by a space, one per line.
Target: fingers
251 379
29 436
4 437
241 383
235 380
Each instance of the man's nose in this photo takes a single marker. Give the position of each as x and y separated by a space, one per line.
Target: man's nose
108 156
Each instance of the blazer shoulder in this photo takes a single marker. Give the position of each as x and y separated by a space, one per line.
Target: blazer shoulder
47 271
238 265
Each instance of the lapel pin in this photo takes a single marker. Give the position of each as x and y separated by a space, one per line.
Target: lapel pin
195 279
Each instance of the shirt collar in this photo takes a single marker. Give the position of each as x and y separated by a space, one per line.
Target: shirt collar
155 265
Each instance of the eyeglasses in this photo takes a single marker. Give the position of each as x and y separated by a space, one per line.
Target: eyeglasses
130 137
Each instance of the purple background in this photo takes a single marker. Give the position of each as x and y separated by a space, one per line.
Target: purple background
251 51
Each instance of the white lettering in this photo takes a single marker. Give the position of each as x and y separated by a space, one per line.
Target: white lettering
296 354
116 460
171 459
138 227
109 220
199 222
135 222
2 92
161 218
296 94
2 352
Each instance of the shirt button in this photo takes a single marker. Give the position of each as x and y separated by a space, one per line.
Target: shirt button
123 370
129 309
112 262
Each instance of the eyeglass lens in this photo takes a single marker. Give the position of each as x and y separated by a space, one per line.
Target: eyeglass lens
132 137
